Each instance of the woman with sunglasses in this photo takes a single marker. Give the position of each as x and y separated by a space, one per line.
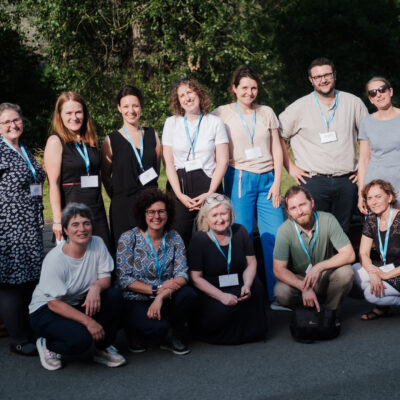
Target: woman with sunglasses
21 229
195 152
223 268
130 161
379 140
152 272
253 179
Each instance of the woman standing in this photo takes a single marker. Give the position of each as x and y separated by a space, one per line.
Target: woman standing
253 179
21 242
195 152
130 161
379 139
72 163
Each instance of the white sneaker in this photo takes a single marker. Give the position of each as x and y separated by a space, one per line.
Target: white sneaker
48 359
109 357
275 306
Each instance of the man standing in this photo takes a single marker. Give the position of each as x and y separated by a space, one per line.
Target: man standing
304 263
322 128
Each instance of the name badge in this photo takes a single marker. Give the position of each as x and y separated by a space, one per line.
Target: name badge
308 268
254 152
328 137
228 280
147 176
387 267
193 165
89 181
36 189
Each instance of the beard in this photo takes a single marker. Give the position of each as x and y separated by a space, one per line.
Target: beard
306 221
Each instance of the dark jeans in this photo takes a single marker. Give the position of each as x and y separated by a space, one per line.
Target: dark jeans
14 302
336 195
173 312
68 337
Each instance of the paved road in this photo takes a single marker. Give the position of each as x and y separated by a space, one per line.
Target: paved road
363 363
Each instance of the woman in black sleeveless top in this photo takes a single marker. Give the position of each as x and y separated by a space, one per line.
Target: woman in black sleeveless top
72 163
130 161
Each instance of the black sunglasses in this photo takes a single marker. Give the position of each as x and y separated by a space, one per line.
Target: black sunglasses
380 89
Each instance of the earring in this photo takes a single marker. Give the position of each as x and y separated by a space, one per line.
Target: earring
67 240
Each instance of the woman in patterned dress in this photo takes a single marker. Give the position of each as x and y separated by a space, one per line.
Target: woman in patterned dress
21 244
152 272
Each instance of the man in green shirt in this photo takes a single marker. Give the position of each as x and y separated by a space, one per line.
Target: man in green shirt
304 261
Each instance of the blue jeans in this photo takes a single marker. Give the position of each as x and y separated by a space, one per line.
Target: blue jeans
248 192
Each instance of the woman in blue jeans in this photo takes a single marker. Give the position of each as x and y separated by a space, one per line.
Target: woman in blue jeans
253 179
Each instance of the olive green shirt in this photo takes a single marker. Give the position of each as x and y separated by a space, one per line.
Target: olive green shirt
288 247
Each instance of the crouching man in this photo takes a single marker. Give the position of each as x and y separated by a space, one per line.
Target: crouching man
305 265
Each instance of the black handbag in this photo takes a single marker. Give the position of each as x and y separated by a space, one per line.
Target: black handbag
308 325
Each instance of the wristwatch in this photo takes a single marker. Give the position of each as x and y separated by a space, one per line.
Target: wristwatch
154 289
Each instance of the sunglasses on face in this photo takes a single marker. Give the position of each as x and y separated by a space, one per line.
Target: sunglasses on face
380 89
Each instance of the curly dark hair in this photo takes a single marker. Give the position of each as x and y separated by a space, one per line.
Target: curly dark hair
145 199
205 102
387 187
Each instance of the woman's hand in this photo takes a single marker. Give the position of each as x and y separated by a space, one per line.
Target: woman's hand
154 311
169 284
187 201
92 302
377 286
57 230
245 293
199 200
95 329
228 299
275 193
361 205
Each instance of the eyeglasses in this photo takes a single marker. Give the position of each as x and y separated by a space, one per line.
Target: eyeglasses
380 89
152 213
16 121
214 198
318 78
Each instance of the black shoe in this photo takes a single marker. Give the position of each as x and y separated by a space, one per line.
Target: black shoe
25 349
136 345
173 344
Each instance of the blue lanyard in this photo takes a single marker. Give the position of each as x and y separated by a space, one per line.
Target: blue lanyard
24 156
163 246
139 158
192 142
327 121
84 155
251 135
314 240
383 250
228 260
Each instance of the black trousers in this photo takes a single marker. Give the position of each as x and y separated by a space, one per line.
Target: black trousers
336 195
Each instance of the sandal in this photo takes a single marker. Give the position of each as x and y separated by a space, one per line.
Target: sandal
383 312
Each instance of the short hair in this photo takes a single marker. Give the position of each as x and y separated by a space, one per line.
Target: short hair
243 72
73 209
205 102
10 106
387 187
294 190
212 201
87 133
130 91
145 199
318 62
375 79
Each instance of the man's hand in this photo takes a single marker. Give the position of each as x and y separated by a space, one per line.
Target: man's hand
312 277
310 299
298 174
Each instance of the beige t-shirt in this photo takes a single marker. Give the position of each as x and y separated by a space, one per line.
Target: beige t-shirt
239 140
302 123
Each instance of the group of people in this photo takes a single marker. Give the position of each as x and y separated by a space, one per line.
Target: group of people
185 257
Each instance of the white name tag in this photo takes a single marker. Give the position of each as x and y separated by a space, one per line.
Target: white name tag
36 189
328 137
254 152
308 268
89 181
193 165
147 176
228 280
387 267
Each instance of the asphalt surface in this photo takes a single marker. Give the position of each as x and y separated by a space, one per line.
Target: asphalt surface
362 363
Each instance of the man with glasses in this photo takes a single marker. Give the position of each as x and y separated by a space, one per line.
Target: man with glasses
322 128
